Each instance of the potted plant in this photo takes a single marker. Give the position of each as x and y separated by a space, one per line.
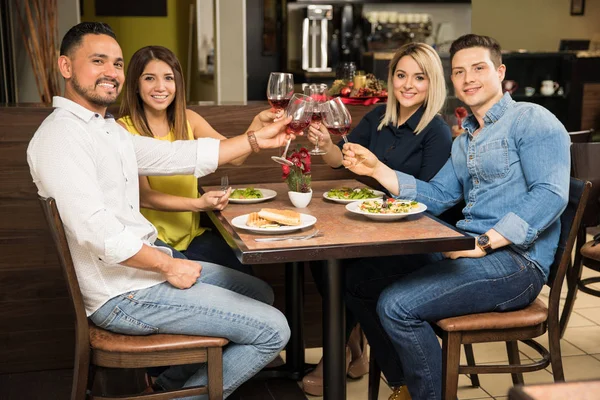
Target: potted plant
297 177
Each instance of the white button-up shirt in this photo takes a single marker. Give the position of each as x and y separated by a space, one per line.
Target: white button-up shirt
90 165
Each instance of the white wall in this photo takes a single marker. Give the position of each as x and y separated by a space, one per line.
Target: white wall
230 51
68 16
535 25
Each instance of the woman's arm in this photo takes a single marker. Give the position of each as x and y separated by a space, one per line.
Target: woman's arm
202 129
155 200
436 150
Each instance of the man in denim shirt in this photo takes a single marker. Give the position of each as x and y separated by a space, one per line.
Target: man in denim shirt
511 166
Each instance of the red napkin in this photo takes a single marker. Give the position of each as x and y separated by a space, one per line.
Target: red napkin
365 101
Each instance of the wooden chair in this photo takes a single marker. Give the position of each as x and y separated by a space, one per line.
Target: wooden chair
581 136
513 326
95 347
585 165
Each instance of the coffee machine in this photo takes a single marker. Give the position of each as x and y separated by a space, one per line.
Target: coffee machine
315 38
331 33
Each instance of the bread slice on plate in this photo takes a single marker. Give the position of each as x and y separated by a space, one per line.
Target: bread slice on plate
283 217
256 221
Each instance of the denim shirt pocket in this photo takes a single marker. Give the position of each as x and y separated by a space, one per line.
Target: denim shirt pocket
492 160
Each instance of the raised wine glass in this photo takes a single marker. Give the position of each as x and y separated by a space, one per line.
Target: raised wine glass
280 90
318 93
300 109
336 118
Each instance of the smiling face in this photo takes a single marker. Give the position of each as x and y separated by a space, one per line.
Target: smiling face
93 72
411 85
477 81
157 85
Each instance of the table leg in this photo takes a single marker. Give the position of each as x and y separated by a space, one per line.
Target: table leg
334 338
294 307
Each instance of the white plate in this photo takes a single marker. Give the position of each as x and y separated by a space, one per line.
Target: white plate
267 194
305 221
355 208
378 195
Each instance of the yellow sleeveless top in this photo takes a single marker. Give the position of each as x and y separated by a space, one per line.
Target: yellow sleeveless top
177 229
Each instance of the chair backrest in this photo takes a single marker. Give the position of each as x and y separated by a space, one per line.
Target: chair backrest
59 237
585 162
581 136
570 220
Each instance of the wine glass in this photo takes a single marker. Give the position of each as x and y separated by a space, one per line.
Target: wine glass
336 118
279 90
300 108
318 93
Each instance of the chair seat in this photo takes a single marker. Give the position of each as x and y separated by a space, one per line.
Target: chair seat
534 314
101 339
590 252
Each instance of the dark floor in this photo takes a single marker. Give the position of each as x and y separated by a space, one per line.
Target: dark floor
56 385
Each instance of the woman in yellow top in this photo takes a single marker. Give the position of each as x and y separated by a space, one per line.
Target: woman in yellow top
154 106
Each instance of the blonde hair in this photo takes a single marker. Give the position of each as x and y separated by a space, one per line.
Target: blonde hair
431 65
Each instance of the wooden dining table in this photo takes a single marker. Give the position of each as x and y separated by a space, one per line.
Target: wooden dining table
343 235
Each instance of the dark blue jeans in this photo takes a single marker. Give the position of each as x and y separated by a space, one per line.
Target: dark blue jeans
211 247
501 281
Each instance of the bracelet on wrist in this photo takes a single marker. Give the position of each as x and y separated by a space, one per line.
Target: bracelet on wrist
253 142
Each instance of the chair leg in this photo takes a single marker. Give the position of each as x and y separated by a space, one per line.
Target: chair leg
512 348
450 364
374 378
215 373
471 363
555 352
573 278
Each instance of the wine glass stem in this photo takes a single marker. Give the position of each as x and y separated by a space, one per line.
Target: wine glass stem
287 145
345 140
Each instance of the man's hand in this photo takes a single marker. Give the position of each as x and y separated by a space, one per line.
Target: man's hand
181 273
274 135
213 200
359 159
475 253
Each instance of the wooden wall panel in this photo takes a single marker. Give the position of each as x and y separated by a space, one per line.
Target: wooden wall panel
35 315
590 109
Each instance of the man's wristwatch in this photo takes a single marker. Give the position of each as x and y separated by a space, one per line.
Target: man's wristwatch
483 242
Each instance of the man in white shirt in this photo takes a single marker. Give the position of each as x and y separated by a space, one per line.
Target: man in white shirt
90 165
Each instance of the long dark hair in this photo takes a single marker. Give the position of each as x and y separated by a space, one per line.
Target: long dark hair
132 103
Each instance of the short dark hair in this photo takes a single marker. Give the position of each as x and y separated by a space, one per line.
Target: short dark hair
73 37
471 40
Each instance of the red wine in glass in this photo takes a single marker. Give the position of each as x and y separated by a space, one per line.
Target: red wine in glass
295 127
339 130
317 117
279 103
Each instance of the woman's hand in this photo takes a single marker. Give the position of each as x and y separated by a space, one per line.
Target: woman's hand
318 132
213 200
359 159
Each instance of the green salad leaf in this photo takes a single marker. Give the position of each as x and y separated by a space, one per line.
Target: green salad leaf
347 193
247 193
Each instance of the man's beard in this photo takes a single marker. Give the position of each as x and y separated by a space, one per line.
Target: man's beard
92 96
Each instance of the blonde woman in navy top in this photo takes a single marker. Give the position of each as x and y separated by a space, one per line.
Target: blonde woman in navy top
407 134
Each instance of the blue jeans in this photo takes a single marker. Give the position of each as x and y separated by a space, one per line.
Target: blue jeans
500 281
224 303
211 247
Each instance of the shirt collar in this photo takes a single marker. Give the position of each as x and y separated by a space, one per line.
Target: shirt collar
76 109
414 119
470 123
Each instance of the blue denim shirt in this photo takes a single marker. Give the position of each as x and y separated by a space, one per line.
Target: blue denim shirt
514 177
